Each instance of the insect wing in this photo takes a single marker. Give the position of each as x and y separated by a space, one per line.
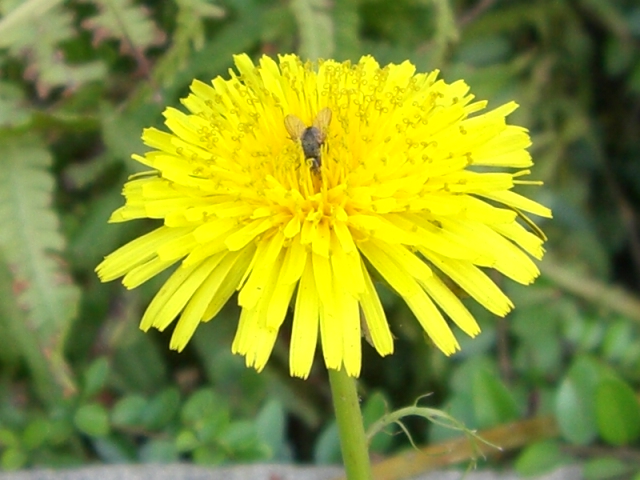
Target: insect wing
322 121
294 126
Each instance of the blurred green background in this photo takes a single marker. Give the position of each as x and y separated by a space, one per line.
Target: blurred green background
79 383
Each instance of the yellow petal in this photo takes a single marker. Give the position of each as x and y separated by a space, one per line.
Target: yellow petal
304 335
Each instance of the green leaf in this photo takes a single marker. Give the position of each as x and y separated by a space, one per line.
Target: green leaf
617 412
92 419
540 458
31 239
211 426
34 31
575 401
374 408
13 459
446 26
605 469
241 35
200 404
17 339
618 340
22 14
239 436
459 407
37 433
493 402
634 79
93 237
8 438
162 409
189 34
229 372
271 428
95 377
479 398
592 334
207 413
32 246
609 15
13 112
115 449
137 362
540 350
347 29
209 455
60 431
618 56
326 450
129 411
485 51
315 28
186 441
121 20
159 451
122 132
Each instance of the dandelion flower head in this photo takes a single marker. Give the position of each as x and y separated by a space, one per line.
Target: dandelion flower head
407 183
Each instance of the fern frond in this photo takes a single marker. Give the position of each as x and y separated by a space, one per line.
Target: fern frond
22 34
315 28
190 20
32 243
189 34
17 341
13 111
127 23
33 32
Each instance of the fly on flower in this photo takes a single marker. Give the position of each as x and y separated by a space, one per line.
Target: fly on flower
311 138
418 188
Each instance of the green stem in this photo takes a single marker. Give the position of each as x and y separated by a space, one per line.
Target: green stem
350 427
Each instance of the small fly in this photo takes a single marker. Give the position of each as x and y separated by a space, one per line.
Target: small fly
311 138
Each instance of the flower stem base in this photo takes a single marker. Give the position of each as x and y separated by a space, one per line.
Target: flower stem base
353 440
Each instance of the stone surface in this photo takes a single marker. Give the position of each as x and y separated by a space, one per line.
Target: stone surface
249 472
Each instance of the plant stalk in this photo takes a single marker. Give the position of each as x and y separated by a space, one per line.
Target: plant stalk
353 440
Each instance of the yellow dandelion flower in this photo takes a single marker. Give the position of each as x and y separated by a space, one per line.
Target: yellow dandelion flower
291 182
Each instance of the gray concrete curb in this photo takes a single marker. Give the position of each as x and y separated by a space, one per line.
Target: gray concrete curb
249 472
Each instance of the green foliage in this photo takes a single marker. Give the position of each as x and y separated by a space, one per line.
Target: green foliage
190 33
80 382
617 412
13 112
603 468
128 24
540 458
31 238
210 435
92 420
35 31
315 28
327 449
575 401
